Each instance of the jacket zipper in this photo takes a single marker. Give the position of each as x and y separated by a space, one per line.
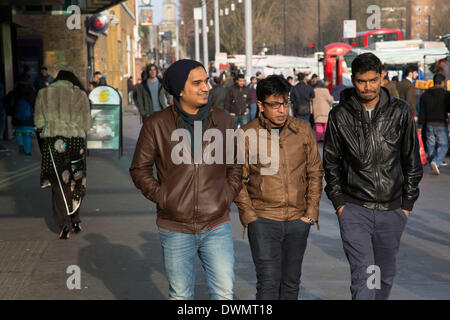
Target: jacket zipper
377 174
195 196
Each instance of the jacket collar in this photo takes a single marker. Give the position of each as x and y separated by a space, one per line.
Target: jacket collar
350 101
212 115
266 124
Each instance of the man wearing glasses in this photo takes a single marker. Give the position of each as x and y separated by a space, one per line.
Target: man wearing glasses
279 208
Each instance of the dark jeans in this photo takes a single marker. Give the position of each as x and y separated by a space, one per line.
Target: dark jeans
277 251
371 238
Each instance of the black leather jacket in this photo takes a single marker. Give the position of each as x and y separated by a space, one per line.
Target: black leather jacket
374 163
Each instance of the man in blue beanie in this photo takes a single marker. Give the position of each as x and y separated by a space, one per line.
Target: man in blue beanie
193 197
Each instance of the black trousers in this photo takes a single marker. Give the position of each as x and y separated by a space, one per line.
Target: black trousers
371 239
277 250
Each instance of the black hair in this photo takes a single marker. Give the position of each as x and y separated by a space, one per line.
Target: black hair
24 90
409 69
97 72
217 80
438 78
366 62
395 78
273 84
69 76
301 76
252 77
290 78
314 76
240 76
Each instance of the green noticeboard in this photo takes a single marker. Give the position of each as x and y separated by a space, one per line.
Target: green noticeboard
106 112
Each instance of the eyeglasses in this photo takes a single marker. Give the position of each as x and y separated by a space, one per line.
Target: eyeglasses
277 105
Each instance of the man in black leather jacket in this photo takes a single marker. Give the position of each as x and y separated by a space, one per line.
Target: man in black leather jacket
372 170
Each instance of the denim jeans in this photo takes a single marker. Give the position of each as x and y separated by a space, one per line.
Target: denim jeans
437 155
216 253
277 250
240 120
252 111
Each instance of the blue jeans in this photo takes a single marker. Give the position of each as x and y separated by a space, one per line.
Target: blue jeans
437 155
252 112
240 120
216 253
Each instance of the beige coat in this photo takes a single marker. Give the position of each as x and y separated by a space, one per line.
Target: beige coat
321 105
62 109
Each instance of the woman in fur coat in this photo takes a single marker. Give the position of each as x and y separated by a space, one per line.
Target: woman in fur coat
62 113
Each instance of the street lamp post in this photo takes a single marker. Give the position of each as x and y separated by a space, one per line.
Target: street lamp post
205 36
217 26
248 37
197 17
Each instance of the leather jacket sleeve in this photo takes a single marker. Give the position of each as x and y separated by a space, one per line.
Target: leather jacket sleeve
141 169
314 174
332 160
247 213
411 165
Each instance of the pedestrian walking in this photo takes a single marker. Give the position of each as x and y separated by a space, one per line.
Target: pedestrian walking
321 108
390 85
218 94
130 87
301 96
21 104
279 208
150 95
372 170
237 101
406 89
43 79
193 198
433 117
63 115
253 99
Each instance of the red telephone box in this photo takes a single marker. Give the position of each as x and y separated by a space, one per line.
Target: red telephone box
334 59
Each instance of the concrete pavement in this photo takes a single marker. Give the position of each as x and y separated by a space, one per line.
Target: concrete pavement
119 254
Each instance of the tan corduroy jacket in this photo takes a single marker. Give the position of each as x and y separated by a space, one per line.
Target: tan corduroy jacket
292 192
62 109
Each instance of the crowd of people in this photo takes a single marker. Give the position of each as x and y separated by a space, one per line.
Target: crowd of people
370 162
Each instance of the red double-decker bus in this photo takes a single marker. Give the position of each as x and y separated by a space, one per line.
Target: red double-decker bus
366 38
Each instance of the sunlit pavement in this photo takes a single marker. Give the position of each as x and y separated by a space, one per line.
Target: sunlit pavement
119 254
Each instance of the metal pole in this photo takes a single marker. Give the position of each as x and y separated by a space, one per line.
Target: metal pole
319 45
205 36
216 25
177 40
429 28
197 40
350 9
284 26
248 37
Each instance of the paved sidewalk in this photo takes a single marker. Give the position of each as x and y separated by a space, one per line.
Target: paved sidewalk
119 252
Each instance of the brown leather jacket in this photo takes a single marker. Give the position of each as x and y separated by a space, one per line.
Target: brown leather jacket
191 198
292 192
